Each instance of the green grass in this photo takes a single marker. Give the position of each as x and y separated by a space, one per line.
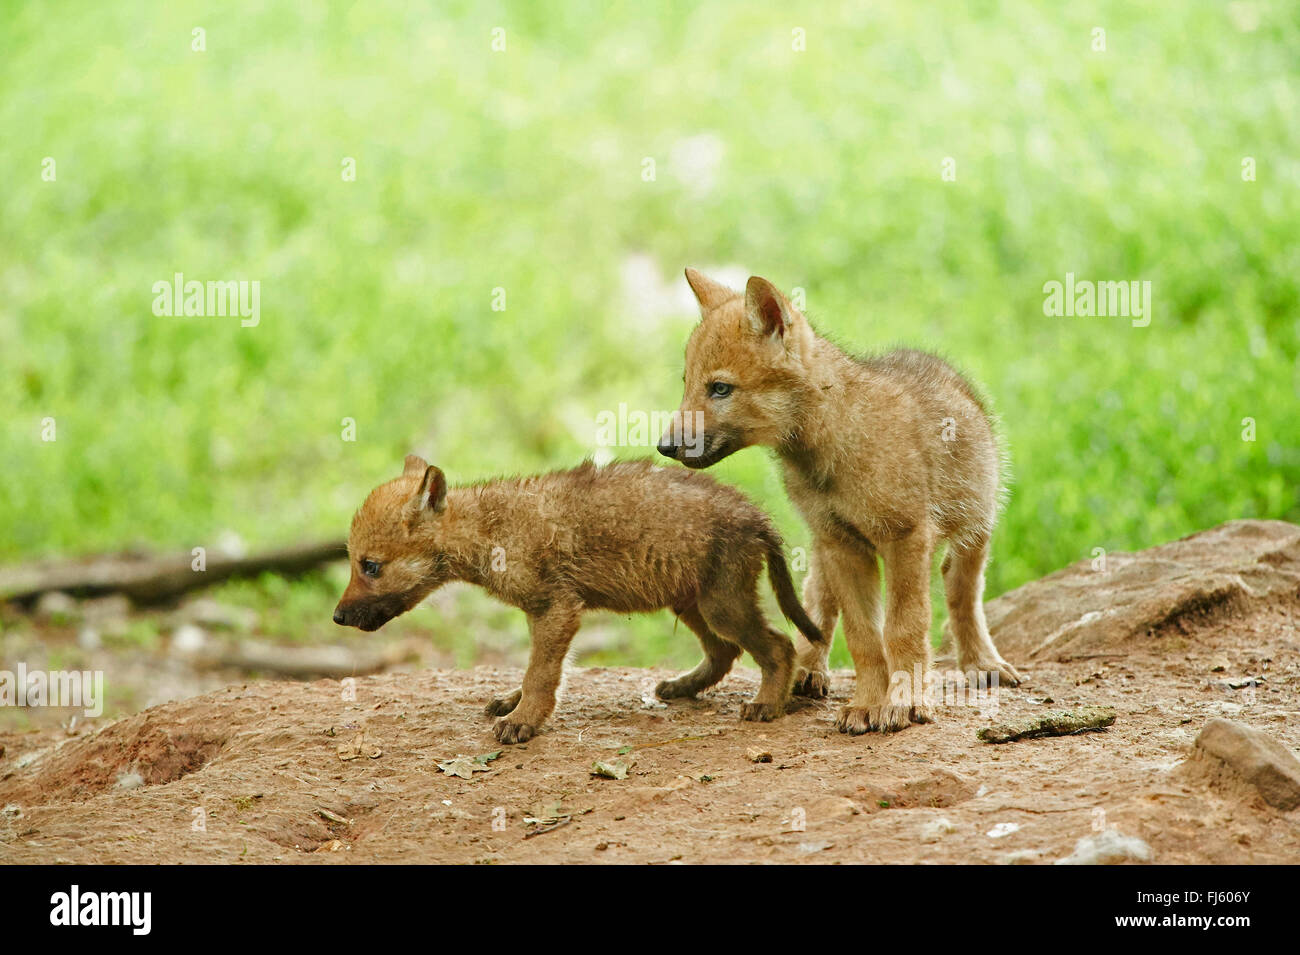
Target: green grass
522 170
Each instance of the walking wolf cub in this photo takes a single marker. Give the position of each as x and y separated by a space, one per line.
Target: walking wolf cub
627 537
887 456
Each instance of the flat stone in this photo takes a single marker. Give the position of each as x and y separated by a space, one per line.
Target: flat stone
1256 757
1109 847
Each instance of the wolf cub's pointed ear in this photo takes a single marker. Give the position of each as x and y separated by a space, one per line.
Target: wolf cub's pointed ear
708 293
414 465
768 312
431 498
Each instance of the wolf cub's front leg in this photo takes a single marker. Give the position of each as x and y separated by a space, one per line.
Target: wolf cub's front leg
907 633
552 632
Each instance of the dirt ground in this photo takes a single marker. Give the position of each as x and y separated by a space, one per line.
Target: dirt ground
256 772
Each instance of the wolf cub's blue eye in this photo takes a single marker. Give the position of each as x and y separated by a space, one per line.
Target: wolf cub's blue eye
370 568
720 389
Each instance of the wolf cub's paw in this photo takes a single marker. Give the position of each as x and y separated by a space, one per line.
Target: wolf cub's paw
676 688
921 714
814 683
501 705
760 712
881 719
985 670
510 732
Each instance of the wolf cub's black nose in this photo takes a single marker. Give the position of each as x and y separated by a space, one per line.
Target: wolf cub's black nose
338 617
667 449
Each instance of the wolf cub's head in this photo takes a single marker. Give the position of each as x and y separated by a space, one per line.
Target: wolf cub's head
395 562
745 374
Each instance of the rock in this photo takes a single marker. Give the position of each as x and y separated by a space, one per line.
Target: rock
231 544
1110 847
756 754
111 610
832 809
1166 589
188 638
1225 707
936 829
1256 757
811 847
1245 682
130 780
1022 857
57 607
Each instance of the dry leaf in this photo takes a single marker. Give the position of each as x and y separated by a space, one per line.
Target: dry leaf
360 746
466 766
545 813
611 768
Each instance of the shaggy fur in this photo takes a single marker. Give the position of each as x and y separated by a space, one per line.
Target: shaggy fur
627 537
885 457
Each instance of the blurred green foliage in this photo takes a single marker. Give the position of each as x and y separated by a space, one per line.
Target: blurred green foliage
522 170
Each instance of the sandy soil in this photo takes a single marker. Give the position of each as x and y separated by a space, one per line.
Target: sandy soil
253 773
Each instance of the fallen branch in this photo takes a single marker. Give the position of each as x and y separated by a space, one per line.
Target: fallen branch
562 821
150 580
1055 723
675 739
303 663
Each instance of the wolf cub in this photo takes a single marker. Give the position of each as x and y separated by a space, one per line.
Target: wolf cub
627 537
887 457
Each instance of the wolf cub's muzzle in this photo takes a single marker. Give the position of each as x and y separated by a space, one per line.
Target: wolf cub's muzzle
708 452
369 615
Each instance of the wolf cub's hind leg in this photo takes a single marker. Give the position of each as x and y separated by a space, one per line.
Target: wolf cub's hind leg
963 585
501 705
735 616
812 675
719 655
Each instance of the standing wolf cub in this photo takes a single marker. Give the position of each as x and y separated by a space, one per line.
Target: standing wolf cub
884 456
627 537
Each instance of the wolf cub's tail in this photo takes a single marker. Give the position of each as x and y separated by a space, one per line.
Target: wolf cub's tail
779 574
